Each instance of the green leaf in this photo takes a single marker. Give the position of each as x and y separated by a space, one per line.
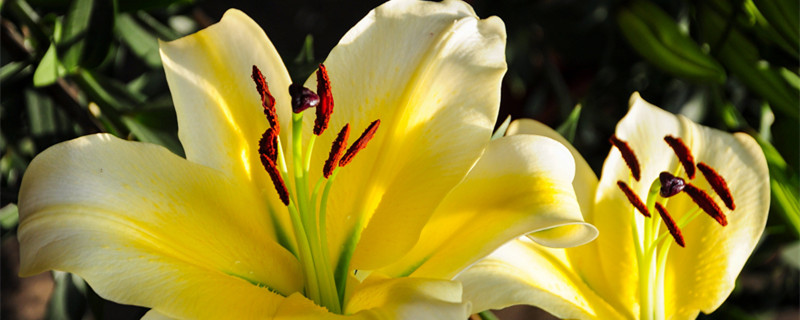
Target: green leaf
75 31
11 69
784 185
143 44
68 300
9 216
135 5
100 34
47 72
568 128
155 126
501 130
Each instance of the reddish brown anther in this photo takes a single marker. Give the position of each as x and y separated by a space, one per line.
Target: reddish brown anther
683 153
336 151
268 145
718 184
671 225
267 101
627 155
277 181
325 107
360 143
704 201
633 198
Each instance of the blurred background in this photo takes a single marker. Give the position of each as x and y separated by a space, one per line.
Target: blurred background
70 68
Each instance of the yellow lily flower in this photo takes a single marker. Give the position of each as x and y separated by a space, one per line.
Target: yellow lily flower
262 219
633 270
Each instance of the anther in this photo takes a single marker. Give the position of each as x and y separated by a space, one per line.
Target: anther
671 225
325 107
268 145
336 151
683 153
302 98
267 101
277 181
718 184
627 155
633 198
704 201
360 143
670 185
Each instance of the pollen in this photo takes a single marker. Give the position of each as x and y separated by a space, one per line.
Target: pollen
336 151
277 181
704 201
683 153
718 184
325 107
671 225
633 198
628 156
268 145
360 143
267 101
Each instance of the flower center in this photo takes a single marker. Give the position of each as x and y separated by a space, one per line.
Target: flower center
650 242
306 206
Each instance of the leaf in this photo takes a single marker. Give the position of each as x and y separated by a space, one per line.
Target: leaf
47 71
568 128
68 300
9 216
143 44
155 126
791 254
135 5
74 32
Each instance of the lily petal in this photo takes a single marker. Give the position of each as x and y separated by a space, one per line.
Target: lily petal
143 221
219 110
380 297
532 274
608 264
431 73
701 276
522 184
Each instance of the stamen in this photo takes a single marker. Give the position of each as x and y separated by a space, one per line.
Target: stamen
704 201
325 107
268 145
360 143
267 101
683 153
633 198
627 155
718 184
671 225
302 98
670 185
336 151
277 181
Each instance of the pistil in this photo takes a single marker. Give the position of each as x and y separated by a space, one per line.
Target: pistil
322 285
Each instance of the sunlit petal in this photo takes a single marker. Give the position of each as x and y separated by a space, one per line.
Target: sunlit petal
133 219
529 273
522 184
702 275
380 297
219 109
431 73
